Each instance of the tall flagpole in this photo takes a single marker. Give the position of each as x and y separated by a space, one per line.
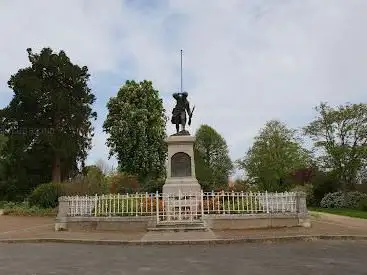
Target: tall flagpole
181 71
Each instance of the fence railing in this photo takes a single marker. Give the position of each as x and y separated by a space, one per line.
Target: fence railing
158 204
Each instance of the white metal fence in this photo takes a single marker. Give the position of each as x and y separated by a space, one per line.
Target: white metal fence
180 206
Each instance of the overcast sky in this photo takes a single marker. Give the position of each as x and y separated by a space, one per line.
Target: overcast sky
245 62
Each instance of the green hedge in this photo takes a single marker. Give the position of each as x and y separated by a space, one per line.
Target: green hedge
24 209
45 195
351 200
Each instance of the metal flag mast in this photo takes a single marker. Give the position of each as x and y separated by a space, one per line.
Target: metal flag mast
181 72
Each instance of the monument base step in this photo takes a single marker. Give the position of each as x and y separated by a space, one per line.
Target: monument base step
179 226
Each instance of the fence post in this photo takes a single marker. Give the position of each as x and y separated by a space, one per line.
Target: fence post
301 206
95 205
179 204
157 204
76 206
301 209
202 202
267 201
62 214
110 206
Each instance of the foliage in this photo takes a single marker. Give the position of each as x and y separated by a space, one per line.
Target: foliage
212 205
362 205
2 204
234 205
239 186
301 176
275 154
82 185
23 209
362 188
92 170
308 190
121 183
343 212
354 198
150 205
47 122
322 183
104 167
3 184
45 195
339 199
127 206
340 134
212 162
154 185
136 127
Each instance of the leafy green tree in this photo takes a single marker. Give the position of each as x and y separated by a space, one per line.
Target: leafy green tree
213 165
275 154
362 175
340 134
48 120
92 170
136 127
3 141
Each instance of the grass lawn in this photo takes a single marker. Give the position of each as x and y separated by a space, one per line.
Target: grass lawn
343 212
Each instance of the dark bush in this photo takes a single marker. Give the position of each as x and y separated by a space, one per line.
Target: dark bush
45 195
363 205
361 188
82 185
323 183
120 183
153 186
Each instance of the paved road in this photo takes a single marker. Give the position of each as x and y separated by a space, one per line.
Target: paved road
319 257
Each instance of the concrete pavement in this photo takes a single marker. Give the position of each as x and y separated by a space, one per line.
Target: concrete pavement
320 257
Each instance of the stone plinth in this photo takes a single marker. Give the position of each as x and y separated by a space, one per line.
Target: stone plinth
181 166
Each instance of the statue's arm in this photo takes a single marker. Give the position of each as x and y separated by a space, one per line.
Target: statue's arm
188 108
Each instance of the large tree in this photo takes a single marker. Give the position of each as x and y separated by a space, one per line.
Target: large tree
274 156
213 165
341 135
3 141
48 121
136 127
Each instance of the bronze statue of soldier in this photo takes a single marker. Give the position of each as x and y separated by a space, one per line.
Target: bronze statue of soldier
179 112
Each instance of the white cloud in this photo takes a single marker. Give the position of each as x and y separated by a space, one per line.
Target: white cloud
245 61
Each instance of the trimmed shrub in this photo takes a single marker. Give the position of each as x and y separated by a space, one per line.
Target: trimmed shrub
343 200
354 198
45 195
23 209
333 200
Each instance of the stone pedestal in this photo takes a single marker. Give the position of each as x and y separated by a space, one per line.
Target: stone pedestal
181 166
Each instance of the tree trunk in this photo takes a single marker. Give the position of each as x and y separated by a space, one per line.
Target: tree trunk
56 169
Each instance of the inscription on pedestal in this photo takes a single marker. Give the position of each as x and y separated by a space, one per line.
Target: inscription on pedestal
180 165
